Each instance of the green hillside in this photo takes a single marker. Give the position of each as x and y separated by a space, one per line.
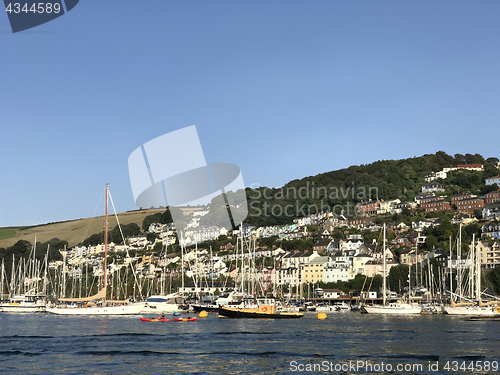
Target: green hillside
342 189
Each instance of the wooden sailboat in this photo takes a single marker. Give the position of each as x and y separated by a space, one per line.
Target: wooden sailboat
105 307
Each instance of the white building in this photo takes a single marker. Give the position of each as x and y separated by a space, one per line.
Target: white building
492 180
435 175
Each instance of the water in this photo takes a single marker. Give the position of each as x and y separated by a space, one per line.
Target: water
48 344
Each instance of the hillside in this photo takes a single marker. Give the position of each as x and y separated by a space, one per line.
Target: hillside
74 231
342 189
333 191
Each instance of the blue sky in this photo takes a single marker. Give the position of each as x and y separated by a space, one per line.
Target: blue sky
283 89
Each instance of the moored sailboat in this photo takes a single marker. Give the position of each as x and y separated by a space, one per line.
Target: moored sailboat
391 308
104 307
470 308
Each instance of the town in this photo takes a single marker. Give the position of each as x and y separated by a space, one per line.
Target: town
326 251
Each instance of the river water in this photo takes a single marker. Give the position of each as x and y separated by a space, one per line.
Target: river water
344 343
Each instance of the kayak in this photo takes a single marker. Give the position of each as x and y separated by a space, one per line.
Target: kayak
155 320
186 319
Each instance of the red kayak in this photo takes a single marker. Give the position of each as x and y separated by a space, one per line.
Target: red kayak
155 320
186 319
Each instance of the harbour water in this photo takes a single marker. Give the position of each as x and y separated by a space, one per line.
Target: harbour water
344 343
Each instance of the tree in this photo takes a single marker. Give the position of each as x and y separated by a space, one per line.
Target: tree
159 217
151 237
430 242
398 278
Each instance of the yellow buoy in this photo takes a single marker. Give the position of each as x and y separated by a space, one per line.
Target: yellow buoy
203 314
321 316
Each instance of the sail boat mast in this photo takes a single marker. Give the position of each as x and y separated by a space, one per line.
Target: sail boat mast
105 242
384 279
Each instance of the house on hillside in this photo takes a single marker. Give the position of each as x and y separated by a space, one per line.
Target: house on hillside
321 245
491 230
435 175
471 167
465 219
492 180
431 187
369 208
422 224
492 197
470 205
435 205
491 211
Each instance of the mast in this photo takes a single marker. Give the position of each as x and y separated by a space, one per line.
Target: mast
182 261
45 272
64 273
451 273
106 241
12 277
478 269
384 286
459 260
163 280
3 274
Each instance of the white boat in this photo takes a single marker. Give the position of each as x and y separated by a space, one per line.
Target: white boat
30 302
391 308
471 308
342 307
130 309
158 304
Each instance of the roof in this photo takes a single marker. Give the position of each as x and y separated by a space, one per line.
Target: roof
322 243
319 260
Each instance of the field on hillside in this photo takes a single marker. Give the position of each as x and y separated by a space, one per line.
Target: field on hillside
72 231
8 232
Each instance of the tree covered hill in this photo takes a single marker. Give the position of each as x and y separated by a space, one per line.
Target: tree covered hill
342 189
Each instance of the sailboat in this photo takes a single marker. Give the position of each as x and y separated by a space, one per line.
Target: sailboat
470 308
260 307
391 308
106 307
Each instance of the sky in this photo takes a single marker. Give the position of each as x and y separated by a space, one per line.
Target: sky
282 89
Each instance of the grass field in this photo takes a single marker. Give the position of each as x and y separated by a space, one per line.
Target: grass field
8 232
74 231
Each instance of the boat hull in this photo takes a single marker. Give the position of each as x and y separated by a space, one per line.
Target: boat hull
107 310
225 312
398 309
23 309
468 310
199 308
